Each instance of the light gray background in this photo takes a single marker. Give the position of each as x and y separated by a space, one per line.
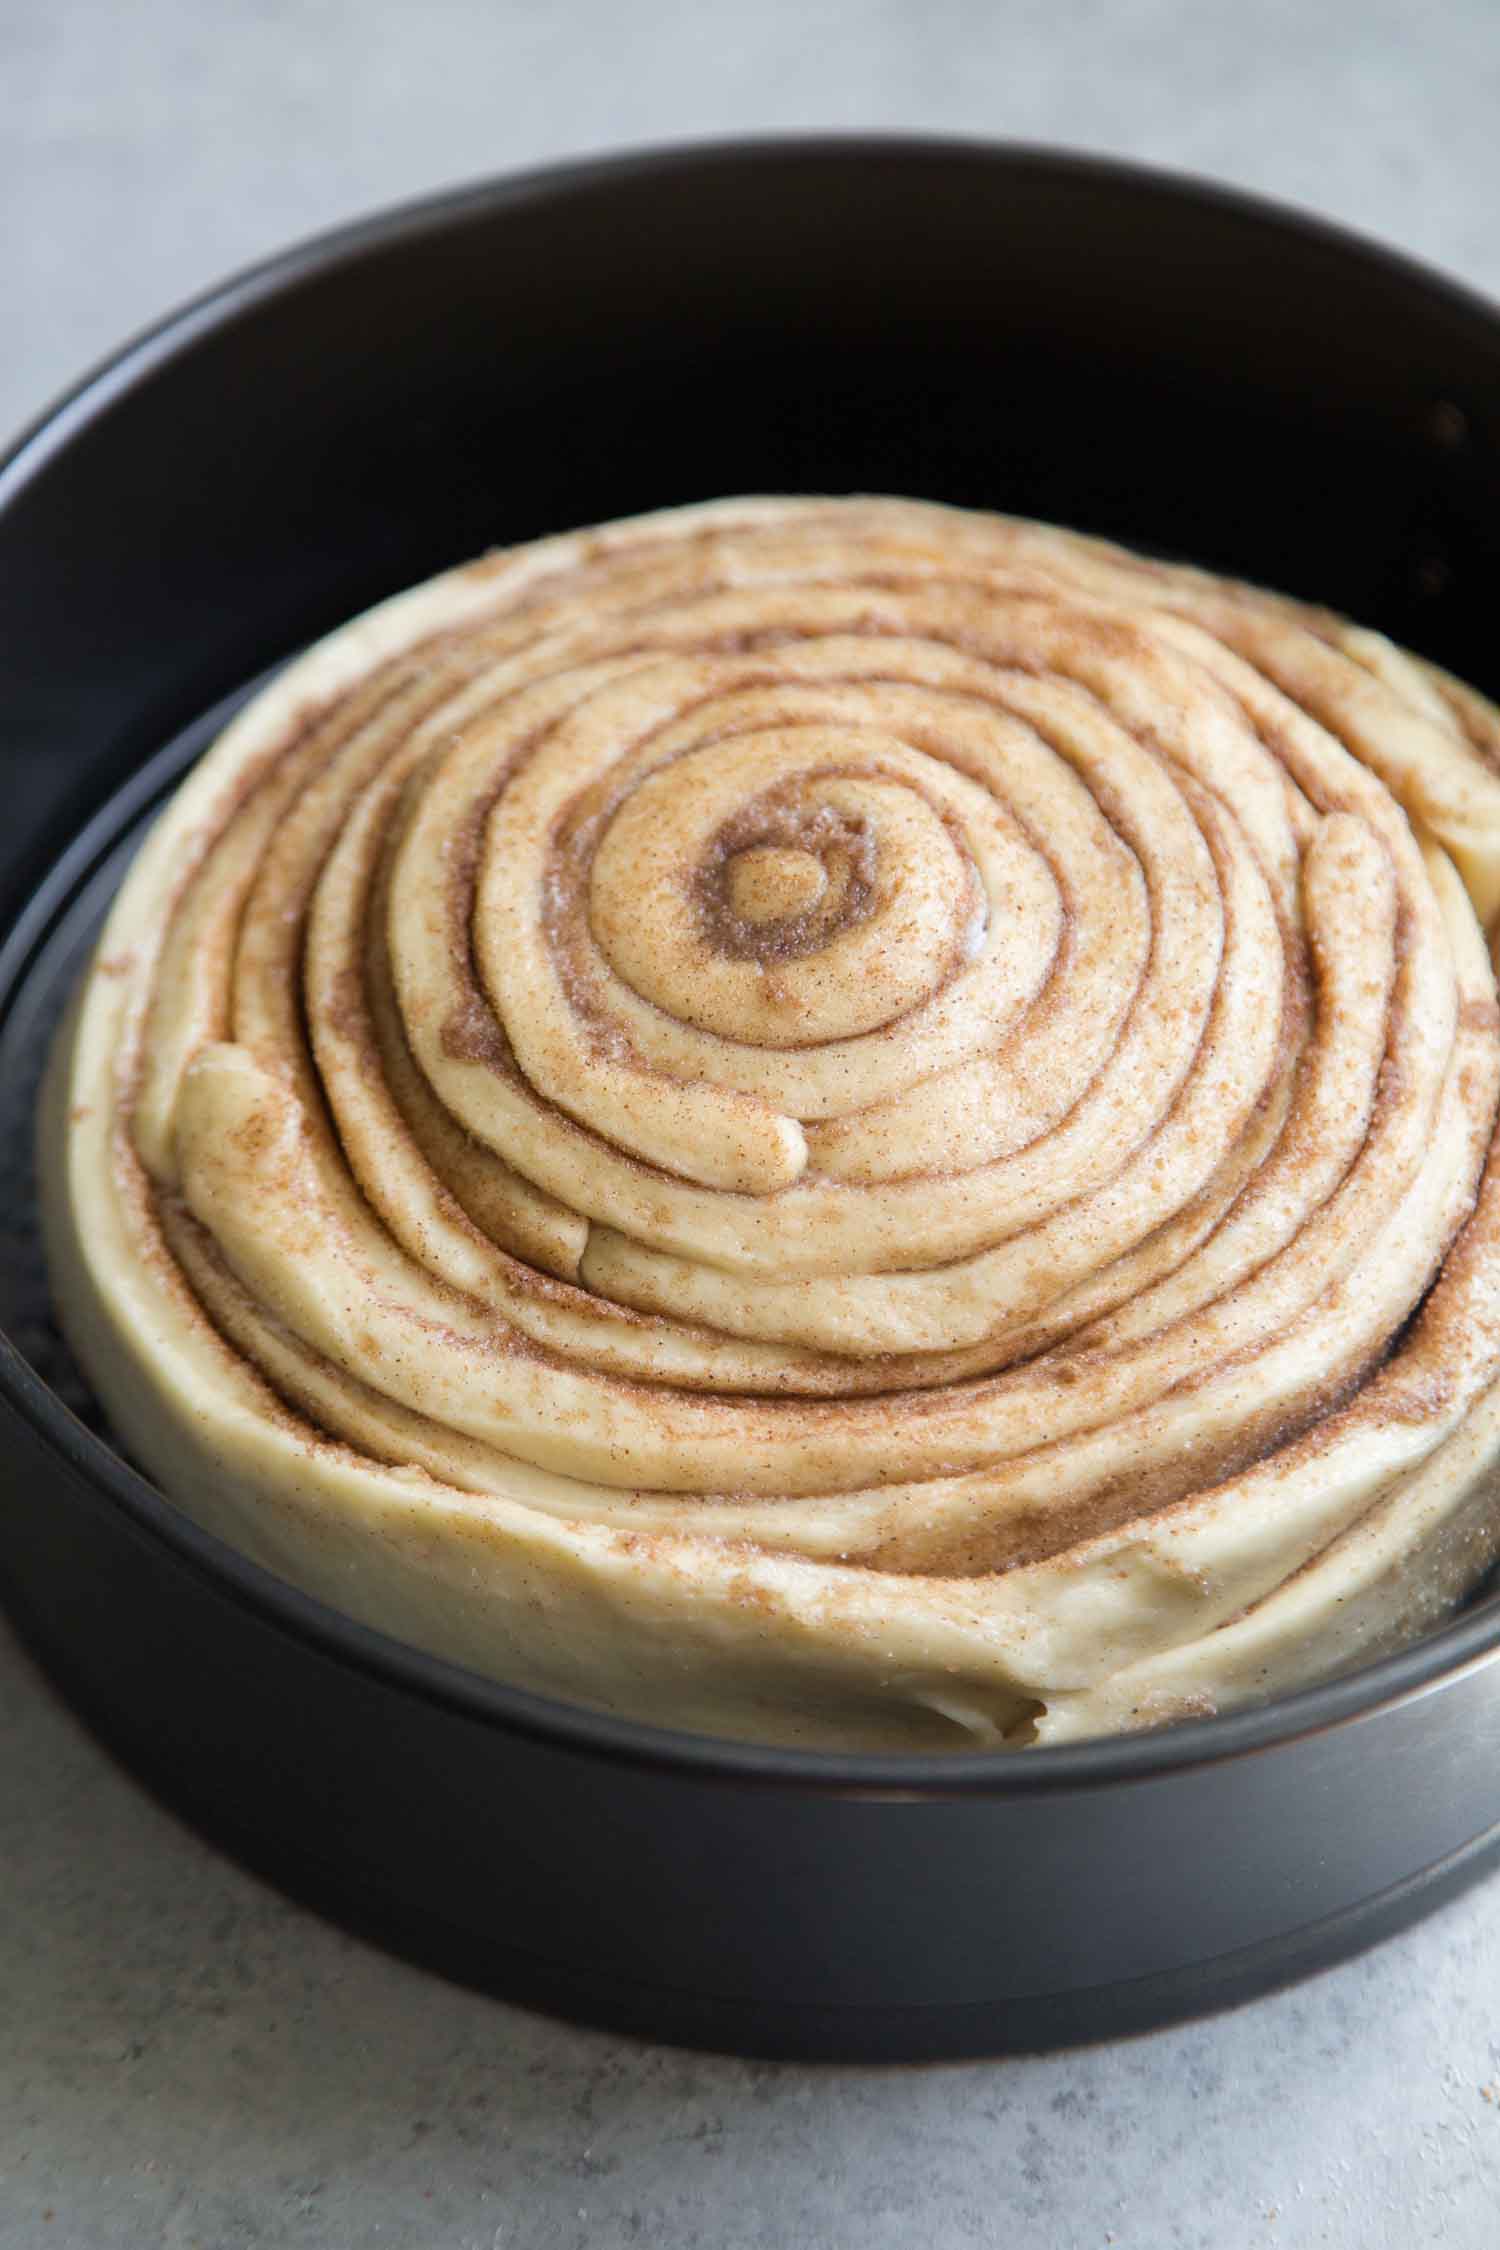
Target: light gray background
185 2059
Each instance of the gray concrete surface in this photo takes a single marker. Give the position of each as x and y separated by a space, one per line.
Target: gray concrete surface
184 2058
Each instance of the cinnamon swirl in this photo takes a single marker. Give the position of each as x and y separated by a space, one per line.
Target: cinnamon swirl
833 1121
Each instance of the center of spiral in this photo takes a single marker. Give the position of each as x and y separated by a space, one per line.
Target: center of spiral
773 882
779 887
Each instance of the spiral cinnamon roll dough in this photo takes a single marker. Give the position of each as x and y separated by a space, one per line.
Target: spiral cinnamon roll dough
835 1121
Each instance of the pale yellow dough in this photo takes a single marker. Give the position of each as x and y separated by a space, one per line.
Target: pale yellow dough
839 1122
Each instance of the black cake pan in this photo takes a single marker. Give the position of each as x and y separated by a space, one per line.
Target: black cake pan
1179 367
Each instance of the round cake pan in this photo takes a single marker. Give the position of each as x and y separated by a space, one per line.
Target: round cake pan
1178 367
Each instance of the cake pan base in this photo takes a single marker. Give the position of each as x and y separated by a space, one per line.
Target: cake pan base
773 2029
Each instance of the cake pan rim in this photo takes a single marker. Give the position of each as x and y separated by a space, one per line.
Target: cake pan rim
182 324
